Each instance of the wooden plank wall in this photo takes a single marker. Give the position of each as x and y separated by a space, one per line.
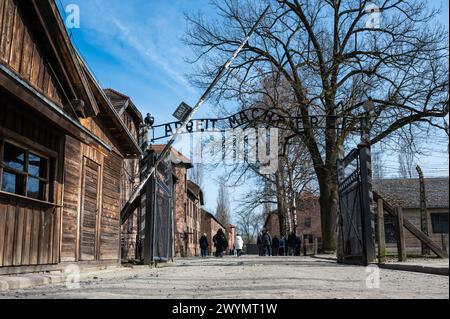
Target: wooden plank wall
110 220
29 231
107 216
20 49
90 211
27 234
72 196
27 125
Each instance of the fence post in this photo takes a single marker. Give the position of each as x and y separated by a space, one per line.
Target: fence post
400 235
367 214
316 246
381 233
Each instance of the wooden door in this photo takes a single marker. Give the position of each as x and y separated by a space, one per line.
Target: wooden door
89 214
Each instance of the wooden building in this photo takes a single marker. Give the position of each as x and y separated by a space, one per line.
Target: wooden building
405 193
62 147
130 178
192 219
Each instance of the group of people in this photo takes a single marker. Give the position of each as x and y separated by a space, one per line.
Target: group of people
267 246
220 243
283 246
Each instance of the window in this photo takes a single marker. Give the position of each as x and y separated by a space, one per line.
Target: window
24 172
308 222
440 223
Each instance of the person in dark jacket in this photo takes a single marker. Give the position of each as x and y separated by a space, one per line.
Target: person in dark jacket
221 243
266 243
259 244
275 246
298 246
291 244
204 245
282 246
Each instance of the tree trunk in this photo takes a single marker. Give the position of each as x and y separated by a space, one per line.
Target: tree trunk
328 208
281 204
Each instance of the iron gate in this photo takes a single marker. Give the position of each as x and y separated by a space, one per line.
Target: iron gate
162 226
156 229
356 223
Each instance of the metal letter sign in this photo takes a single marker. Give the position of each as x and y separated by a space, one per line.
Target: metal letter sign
182 112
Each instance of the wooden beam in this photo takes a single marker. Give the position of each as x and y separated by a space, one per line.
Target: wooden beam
64 54
381 233
400 235
28 95
414 230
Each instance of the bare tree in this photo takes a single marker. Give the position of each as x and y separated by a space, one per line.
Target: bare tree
196 174
406 160
377 165
223 204
333 58
249 222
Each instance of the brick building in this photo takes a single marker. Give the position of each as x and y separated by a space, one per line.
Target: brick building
210 225
192 219
308 219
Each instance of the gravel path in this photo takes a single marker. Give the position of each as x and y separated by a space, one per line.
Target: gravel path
247 277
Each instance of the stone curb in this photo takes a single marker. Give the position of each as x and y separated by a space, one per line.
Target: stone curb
417 268
16 282
23 282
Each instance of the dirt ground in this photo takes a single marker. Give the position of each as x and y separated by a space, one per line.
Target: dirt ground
247 278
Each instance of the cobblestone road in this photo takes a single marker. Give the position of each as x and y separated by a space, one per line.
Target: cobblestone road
248 277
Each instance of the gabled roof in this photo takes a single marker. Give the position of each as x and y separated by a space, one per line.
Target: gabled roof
406 192
70 73
210 215
195 190
176 156
126 143
74 79
122 102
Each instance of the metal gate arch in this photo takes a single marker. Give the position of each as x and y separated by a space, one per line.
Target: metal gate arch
356 227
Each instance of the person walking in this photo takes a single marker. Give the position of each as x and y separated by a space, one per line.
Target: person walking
259 244
292 244
267 243
275 246
298 246
204 244
221 243
282 246
239 245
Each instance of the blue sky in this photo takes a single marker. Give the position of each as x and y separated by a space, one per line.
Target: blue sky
134 46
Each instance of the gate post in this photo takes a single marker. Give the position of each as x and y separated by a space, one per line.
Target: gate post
368 225
400 235
381 234
149 204
340 177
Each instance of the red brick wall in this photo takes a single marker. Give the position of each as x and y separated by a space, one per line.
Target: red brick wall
308 210
179 210
193 226
210 226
